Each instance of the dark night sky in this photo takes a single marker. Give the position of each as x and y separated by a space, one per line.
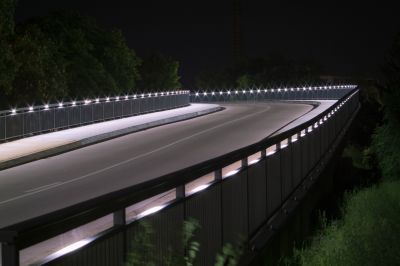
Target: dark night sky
347 38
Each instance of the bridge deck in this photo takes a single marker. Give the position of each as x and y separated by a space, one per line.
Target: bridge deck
43 186
31 148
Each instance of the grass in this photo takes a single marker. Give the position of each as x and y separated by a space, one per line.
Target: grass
368 233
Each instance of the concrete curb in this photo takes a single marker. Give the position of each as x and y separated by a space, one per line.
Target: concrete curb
102 137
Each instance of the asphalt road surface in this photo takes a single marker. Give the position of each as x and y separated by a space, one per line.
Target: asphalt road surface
43 186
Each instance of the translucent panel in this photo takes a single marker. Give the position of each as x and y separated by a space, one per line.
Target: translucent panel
271 150
284 143
66 242
231 169
254 158
199 183
146 207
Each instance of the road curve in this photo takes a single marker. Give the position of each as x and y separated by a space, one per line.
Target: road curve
43 186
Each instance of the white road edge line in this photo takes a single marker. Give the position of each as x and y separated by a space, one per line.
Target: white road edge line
34 191
42 187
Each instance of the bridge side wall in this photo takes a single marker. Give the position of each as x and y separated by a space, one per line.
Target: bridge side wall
232 207
40 120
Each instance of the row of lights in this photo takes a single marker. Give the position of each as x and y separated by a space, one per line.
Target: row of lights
45 107
275 90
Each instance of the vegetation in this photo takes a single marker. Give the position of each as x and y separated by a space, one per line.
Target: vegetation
143 249
66 55
269 71
367 234
159 72
369 230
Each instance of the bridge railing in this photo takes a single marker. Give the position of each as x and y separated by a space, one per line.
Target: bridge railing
23 122
278 94
231 195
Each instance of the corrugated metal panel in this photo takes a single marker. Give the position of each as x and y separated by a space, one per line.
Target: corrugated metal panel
175 100
305 157
151 104
106 252
87 113
108 110
324 137
286 171
274 183
257 191
135 106
98 111
205 207
2 127
296 163
46 120
234 208
165 239
74 115
31 123
317 142
311 149
144 105
163 102
159 103
61 118
14 126
127 107
117 109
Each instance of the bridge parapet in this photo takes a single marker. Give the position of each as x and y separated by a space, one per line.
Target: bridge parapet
277 94
24 122
234 194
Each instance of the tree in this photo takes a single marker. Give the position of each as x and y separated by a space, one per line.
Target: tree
40 74
7 60
96 62
7 9
391 81
159 72
273 69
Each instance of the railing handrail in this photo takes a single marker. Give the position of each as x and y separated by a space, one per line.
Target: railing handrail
41 228
90 100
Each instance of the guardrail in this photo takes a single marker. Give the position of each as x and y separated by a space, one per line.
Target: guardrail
236 193
22 122
279 94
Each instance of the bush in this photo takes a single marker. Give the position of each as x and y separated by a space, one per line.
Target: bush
386 145
368 234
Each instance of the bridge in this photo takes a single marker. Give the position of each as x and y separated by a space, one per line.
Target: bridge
237 161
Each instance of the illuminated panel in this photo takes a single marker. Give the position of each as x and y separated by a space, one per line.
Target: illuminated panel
199 184
271 150
149 206
231 169
254 158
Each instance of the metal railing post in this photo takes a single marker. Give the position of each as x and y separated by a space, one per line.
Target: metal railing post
9 253
119 217
180 192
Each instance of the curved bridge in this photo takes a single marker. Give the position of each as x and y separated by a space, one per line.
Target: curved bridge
233 171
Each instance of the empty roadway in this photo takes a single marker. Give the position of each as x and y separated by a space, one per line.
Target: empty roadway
43 186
